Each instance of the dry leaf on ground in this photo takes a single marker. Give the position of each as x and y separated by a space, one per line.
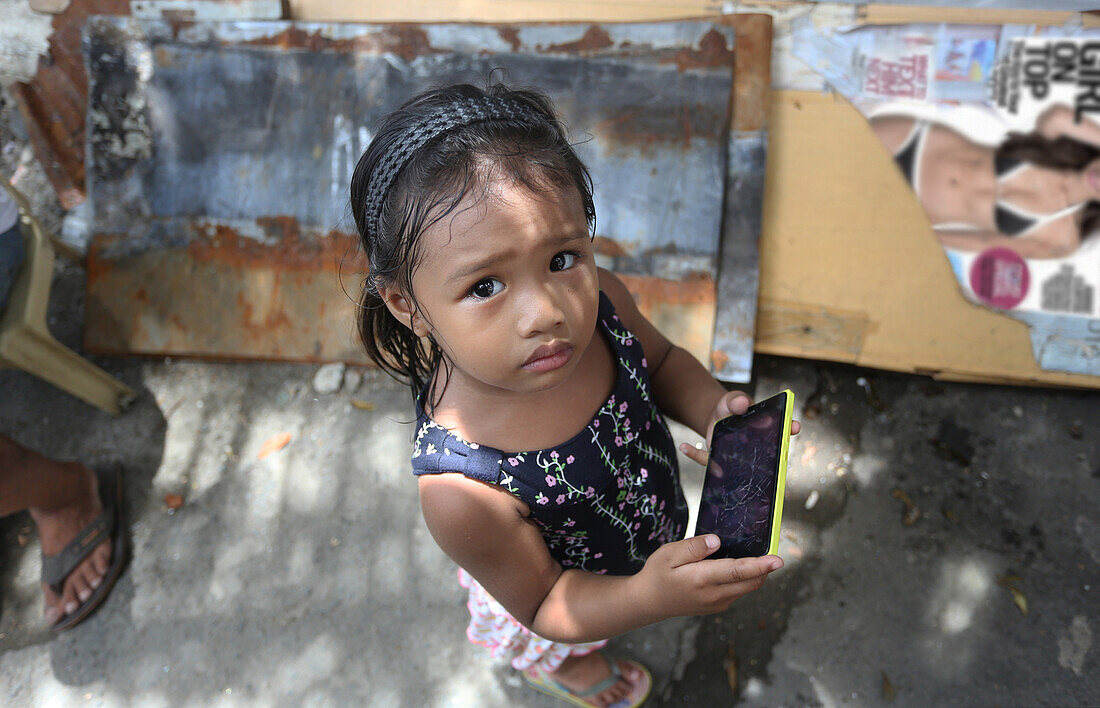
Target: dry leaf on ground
888 691
1009 582
730 664
173 501
911 514
273 444
362 405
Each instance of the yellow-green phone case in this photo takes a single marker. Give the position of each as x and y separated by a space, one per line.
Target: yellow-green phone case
781 482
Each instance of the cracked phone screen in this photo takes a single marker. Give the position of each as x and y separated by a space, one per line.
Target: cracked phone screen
739 490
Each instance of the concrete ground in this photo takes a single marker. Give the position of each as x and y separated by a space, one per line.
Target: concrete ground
917 512
921 520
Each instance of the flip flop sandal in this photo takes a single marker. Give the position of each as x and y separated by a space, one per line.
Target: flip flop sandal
108 525
542 681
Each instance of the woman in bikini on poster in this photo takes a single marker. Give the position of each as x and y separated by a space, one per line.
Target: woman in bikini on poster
1036 193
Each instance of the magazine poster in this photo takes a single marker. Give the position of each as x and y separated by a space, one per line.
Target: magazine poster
997 131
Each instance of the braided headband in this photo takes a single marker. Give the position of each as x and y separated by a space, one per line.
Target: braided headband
457 114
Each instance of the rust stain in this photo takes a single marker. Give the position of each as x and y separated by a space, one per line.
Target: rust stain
712 52
594 39
649 291
510 35
54 101
274 318
407 41
719 359
336 251
752 76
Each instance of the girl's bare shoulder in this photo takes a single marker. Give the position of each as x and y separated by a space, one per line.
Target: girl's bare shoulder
654 344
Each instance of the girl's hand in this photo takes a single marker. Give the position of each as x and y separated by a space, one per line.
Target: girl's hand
677 579
733 403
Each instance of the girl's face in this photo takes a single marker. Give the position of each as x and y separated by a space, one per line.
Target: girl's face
507 286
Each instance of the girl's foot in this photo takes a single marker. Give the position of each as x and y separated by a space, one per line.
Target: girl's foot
58 526
579 674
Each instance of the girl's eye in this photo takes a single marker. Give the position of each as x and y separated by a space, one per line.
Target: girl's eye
486 288
563 260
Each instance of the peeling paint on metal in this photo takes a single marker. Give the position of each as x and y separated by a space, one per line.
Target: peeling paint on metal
239 200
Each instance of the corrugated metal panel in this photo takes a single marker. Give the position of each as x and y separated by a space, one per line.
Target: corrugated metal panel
221 154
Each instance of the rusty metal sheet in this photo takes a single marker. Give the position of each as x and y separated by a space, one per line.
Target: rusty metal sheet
739 259
220 155
52 103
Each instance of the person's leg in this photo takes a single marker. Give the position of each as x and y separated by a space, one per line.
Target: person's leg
62 498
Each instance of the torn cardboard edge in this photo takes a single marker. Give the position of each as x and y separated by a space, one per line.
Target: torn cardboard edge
851 270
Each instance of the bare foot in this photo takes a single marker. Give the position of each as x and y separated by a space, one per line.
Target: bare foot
579 673
58 526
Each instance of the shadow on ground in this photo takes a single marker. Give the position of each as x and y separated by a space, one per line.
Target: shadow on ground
306 574
918 514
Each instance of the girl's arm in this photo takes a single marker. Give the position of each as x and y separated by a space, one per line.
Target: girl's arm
684 390
486 531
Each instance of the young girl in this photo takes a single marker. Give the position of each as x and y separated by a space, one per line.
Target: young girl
545 468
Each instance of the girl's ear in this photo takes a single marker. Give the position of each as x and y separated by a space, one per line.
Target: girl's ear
402 309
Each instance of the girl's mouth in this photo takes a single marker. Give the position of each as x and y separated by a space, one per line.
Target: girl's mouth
549 357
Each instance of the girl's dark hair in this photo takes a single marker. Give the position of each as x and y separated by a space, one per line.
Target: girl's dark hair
529 146
1059 153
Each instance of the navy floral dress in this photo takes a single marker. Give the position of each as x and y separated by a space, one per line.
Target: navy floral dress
605 499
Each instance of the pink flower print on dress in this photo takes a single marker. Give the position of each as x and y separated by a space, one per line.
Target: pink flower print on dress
622 407
618 441
643 473
554 454
644 364
542 498
569 460
628 341
513 461
550 481
561 499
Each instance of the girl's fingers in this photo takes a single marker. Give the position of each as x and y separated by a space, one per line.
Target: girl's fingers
696 454
725 571
734 403
795 427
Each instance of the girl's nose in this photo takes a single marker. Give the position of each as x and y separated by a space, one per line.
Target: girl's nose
540 312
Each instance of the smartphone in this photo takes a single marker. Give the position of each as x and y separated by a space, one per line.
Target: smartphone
746 474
